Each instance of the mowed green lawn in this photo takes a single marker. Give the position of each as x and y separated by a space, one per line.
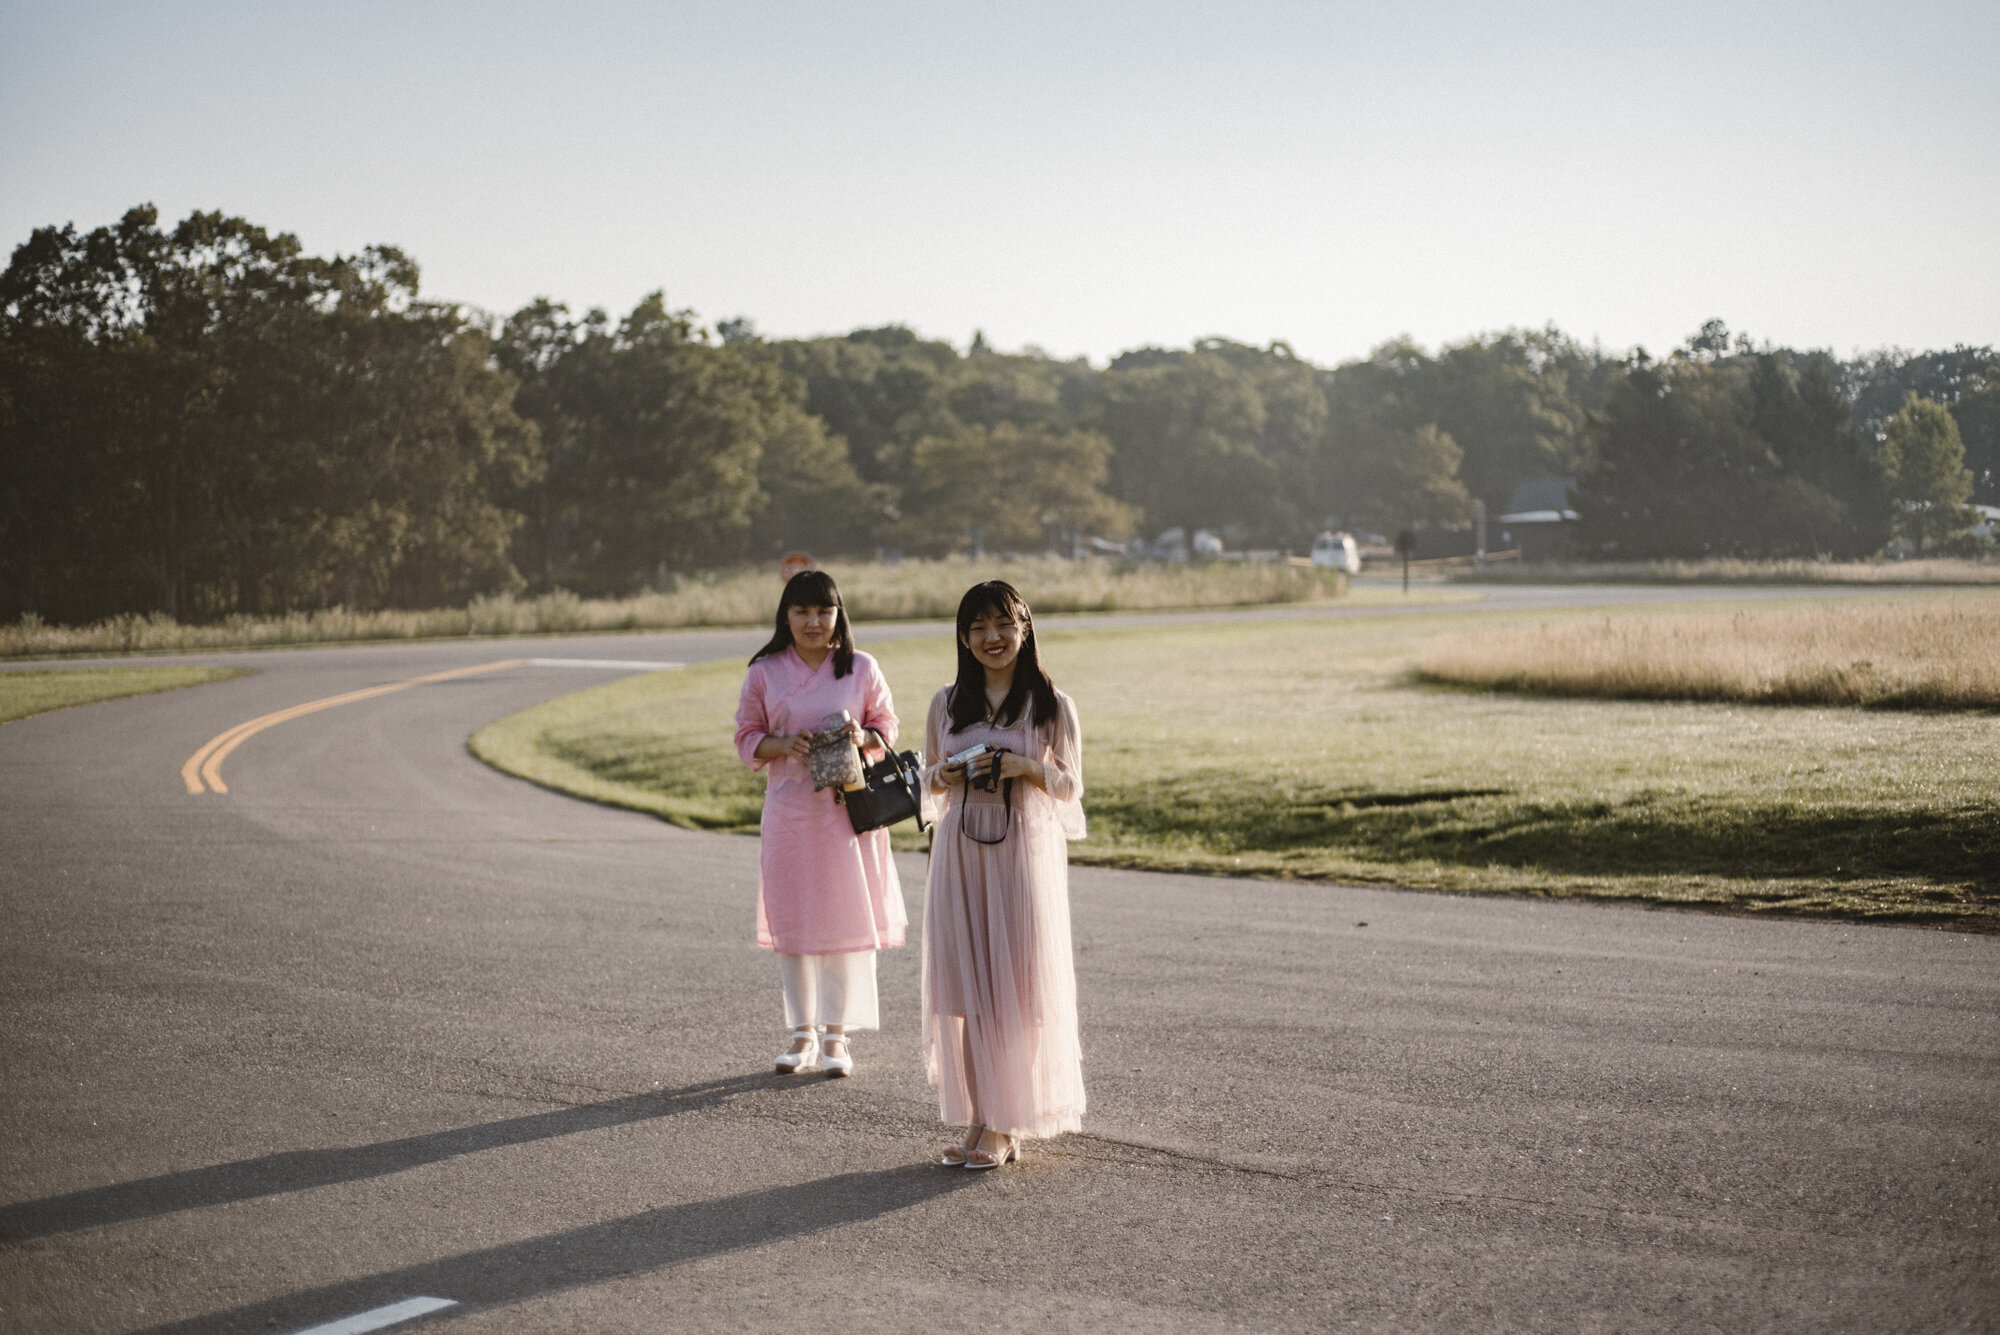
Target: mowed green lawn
36 691
1306 749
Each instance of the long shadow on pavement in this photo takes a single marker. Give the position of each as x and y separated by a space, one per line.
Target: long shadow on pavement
300 1170
651 1240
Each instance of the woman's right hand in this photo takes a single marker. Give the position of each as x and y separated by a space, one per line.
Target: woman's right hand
985 771
778 745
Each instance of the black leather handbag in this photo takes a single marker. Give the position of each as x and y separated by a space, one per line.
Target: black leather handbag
892 790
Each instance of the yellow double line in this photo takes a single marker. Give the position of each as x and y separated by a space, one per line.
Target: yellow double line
206 764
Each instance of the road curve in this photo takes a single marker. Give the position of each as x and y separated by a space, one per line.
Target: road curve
379 1024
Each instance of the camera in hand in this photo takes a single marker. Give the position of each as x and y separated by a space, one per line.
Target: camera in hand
973 758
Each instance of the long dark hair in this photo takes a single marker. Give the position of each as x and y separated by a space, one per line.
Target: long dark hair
996 597
813 588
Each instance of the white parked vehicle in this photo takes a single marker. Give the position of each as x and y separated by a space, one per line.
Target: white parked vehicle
1337 551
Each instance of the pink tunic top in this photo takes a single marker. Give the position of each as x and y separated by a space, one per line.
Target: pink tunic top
999 983
822 889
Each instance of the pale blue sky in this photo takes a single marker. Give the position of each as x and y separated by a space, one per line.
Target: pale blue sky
1086 177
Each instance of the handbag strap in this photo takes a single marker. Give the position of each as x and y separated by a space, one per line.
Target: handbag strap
910 776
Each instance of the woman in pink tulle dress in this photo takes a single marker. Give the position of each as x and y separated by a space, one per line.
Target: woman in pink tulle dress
827 898
999 986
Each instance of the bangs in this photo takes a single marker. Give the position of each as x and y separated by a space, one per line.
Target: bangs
810 588
993 598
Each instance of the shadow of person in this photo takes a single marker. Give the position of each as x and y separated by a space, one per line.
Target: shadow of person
651 1240
300 1170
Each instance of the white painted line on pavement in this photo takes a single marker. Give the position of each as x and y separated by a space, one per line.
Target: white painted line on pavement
377 1317
613 664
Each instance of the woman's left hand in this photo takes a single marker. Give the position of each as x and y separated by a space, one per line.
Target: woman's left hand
1014 765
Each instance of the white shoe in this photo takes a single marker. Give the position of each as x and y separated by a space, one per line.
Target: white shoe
836 1066
791 1063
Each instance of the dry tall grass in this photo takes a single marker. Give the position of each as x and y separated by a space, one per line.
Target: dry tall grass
1936 654
913 589
1724 570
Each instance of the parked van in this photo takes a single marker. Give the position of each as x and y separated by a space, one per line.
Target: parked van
1337 551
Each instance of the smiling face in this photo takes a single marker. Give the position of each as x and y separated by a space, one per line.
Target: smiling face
812 626
995 640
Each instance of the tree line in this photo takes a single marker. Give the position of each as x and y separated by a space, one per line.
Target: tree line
204 420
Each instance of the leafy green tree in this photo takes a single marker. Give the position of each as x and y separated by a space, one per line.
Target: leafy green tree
208 420
812 497
655 435
881 390
74 513
1415 482
1677 469
1022 487
1388 465
1965 379
1726 450
1830 499
1924 461
986 388
1507 401
1222 436
1513 403
1977 413
1292 444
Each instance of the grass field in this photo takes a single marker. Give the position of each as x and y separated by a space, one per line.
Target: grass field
1933 653
745 597
1309 749
28 692
1728 570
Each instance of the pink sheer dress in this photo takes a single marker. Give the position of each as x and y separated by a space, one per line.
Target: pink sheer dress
822 889
999 979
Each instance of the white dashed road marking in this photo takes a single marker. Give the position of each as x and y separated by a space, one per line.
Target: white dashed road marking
377 1317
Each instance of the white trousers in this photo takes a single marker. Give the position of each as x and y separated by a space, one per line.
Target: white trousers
830 989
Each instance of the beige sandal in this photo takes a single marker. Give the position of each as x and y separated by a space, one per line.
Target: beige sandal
979 1160
953 1154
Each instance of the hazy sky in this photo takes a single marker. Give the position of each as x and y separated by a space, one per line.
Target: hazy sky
1086 177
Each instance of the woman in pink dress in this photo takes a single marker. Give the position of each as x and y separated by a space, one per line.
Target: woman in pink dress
999 983
827 898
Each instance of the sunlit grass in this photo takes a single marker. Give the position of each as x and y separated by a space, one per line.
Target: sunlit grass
29 692
745 597
1729 570
1937 653
1306 749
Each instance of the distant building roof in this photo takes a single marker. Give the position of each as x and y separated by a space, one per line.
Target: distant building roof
1540 500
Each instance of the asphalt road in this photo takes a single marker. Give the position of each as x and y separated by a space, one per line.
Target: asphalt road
380 1024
